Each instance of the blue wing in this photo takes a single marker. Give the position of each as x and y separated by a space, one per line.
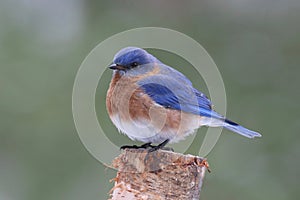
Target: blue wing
169 92
179 94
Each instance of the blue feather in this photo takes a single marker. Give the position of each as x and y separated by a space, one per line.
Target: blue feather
168 92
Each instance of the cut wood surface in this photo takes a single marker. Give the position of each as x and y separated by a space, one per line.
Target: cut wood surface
158 175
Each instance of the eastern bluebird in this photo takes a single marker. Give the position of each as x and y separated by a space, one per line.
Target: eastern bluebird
154 103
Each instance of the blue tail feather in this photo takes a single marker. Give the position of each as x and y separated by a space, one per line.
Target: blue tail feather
228 124
232 126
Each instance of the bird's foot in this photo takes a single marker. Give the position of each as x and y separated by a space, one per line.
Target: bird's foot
161 146
143 146
149 146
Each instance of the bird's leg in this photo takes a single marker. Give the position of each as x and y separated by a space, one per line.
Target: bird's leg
160 146
147 145
143 146
129 147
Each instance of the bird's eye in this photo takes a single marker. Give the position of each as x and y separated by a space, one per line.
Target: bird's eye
134 64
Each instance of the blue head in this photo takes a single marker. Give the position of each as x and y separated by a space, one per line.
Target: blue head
132 59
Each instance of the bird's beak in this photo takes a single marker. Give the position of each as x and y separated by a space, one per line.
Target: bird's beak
116 67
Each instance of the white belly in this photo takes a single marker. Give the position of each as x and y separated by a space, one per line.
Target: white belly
150 131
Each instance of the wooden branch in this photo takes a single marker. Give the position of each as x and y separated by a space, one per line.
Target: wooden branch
159 175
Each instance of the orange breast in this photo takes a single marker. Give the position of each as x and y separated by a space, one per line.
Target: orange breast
126 100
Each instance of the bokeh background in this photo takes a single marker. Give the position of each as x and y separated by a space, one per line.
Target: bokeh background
255 44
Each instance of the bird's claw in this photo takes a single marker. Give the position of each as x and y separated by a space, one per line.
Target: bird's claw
143 146
149 146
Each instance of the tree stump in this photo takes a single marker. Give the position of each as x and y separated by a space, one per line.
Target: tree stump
158 175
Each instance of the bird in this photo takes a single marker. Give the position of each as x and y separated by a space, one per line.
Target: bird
153 103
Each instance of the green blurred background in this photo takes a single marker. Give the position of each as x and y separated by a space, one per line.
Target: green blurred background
255 44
